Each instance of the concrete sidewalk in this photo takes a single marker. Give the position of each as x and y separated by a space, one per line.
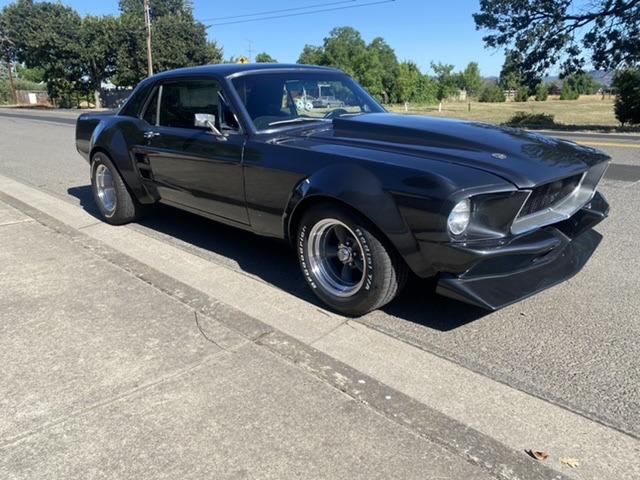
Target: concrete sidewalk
105 376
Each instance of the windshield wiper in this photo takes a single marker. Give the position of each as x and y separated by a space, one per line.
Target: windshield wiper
298 120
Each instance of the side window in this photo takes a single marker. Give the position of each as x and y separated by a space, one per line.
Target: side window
151 113
182 100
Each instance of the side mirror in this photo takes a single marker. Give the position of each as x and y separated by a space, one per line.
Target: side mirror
207 120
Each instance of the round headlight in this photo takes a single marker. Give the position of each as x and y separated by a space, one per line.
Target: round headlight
459 217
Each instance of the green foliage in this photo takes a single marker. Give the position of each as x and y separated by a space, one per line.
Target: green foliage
5 93
389 68
46 35
427 90
542 92
531 120
407 81
99 40
265 58
447 81
35 74
312 56
178 40
511 77
5 89
492 93
549 32
522 94
627 86
568 93
583 83
375 66
214 53
470 79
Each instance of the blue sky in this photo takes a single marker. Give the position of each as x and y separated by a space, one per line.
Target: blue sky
418 30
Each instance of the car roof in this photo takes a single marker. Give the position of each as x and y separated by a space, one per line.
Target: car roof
228 69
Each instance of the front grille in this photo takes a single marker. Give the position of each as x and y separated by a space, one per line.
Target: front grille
549 194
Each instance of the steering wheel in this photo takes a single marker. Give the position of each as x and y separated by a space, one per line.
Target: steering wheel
335 113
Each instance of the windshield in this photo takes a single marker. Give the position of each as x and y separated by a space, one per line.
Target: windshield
280 100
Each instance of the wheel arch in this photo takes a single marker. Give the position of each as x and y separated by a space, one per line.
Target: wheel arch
110 140
358 191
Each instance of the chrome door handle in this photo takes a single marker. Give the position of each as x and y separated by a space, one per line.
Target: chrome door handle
150 135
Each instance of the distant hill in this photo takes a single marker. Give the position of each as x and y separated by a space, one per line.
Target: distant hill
604 78
601 77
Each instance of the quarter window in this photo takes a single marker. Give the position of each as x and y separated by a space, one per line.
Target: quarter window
151 113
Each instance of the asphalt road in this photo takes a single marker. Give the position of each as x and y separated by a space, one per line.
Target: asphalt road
575 345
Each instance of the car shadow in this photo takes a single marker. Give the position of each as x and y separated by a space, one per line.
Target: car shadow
274 262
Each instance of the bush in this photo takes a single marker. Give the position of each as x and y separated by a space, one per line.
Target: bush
5 92
568 93
531 120
492 94
627 86
522 94
542 93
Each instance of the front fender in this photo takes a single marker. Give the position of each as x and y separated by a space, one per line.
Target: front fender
361 190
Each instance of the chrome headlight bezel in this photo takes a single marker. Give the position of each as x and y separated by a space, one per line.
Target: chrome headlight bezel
459 218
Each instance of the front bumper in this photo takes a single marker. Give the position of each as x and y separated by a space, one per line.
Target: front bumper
501 275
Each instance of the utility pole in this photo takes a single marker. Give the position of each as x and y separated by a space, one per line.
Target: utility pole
5 51
147 24
13 85
250 49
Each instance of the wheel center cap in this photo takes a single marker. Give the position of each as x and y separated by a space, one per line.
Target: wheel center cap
344 254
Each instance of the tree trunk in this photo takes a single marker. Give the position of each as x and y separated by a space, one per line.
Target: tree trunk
96 96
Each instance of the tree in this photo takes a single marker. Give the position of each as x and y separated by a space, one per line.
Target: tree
388 63
427 90
99 40
583 83
470 79
265 58
548 32
374 65
345 49
568 92
522 94
215 53
511 77
446 81
178 40
627 85
408 81
312 56
542 92
35 75
492 93
46 35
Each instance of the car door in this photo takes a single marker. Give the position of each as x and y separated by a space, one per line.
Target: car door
191 165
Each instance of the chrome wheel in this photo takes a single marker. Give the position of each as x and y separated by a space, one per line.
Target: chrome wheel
105 187
336 257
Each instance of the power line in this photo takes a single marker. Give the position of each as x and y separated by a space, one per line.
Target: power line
273 17
268 12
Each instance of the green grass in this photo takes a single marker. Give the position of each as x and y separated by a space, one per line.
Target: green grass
590 112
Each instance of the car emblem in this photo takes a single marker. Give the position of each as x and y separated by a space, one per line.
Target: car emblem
499 156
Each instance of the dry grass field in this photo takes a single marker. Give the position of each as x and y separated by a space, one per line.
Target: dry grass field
590 112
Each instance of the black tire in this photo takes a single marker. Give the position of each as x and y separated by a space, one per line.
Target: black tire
125 209
385 272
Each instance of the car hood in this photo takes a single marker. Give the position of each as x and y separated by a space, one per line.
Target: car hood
524 158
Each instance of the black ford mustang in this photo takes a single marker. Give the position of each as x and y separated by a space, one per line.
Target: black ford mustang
364 196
